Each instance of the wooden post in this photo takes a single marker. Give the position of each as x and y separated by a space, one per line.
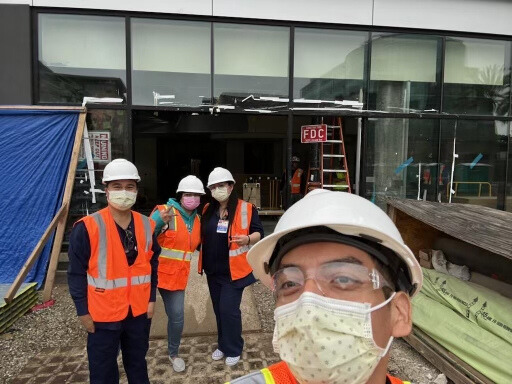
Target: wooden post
59 235
33 256
392 213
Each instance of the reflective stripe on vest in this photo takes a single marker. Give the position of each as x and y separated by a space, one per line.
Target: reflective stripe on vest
102 251
269 379
143 279
172 224
243 216
262 377
117 283
238 251
147 230
101 283
175 254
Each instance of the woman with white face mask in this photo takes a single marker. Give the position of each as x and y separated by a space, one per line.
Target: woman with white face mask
178 228
342 278
229 227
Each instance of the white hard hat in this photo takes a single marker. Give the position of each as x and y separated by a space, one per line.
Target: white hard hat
219 175
120 169
191 184
342 212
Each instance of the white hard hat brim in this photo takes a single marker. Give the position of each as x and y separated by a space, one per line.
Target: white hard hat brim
120 177
190 190
261 252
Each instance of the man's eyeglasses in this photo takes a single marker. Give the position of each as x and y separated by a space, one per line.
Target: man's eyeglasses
128 241
333 279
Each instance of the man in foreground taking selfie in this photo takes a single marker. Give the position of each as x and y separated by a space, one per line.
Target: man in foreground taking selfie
342 279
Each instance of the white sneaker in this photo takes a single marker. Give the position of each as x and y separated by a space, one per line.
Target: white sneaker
217 354
230 361
178 364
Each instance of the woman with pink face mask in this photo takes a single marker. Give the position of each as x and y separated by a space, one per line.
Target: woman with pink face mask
178 231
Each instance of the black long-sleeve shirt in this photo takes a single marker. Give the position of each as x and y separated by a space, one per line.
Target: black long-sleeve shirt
216 246
79 254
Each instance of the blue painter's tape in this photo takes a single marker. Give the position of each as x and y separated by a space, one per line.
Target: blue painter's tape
404 165
477 159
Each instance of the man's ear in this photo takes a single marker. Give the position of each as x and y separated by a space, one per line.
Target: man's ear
401 315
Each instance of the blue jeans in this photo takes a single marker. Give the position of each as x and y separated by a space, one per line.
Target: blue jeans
174 303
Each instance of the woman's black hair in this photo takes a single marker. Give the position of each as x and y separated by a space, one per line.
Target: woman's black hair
178 196
214 205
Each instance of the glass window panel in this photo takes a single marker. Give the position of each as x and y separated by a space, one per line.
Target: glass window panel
401 159
476 76
403 73
171 62
479 171
81 56
328 64
250 60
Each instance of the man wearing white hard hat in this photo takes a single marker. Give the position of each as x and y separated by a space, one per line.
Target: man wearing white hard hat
178 228
229 226
112 278
342 278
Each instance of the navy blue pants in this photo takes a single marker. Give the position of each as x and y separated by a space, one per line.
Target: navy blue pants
226 297
103 347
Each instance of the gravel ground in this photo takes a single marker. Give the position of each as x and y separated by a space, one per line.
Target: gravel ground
405 362
57 326
50 327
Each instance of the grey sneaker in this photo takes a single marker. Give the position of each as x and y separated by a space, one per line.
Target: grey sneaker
178 364
230 361
217 354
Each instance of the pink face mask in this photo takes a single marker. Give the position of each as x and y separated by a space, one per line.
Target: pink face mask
190 202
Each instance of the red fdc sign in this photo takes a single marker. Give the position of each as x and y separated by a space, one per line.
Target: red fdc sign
313 133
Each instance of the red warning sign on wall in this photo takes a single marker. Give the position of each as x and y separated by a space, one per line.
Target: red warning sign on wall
313 133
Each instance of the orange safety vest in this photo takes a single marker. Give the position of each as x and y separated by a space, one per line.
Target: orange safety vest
178 246
296 179
238 265
279 373
112 285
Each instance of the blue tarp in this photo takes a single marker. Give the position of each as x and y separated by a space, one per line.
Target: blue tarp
35 151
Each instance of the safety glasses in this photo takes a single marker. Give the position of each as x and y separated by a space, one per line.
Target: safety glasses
333 279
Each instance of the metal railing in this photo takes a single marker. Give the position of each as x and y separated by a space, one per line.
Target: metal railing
480 183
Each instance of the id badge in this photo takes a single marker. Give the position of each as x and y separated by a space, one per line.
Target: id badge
222 226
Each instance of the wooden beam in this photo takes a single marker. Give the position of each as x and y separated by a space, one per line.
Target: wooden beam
483 227
34 255
59 235
453 367
392 213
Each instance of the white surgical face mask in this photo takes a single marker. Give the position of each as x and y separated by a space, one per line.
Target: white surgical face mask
122 200
326 340
220 194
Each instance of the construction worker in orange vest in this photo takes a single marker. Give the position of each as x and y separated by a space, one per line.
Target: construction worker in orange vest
229 226
178 228
342 279
112 277
297 183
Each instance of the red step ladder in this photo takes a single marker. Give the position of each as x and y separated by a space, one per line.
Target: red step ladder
330 170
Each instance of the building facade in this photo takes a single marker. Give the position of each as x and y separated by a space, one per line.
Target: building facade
230 83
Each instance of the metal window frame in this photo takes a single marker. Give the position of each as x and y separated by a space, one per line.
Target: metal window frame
363 115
